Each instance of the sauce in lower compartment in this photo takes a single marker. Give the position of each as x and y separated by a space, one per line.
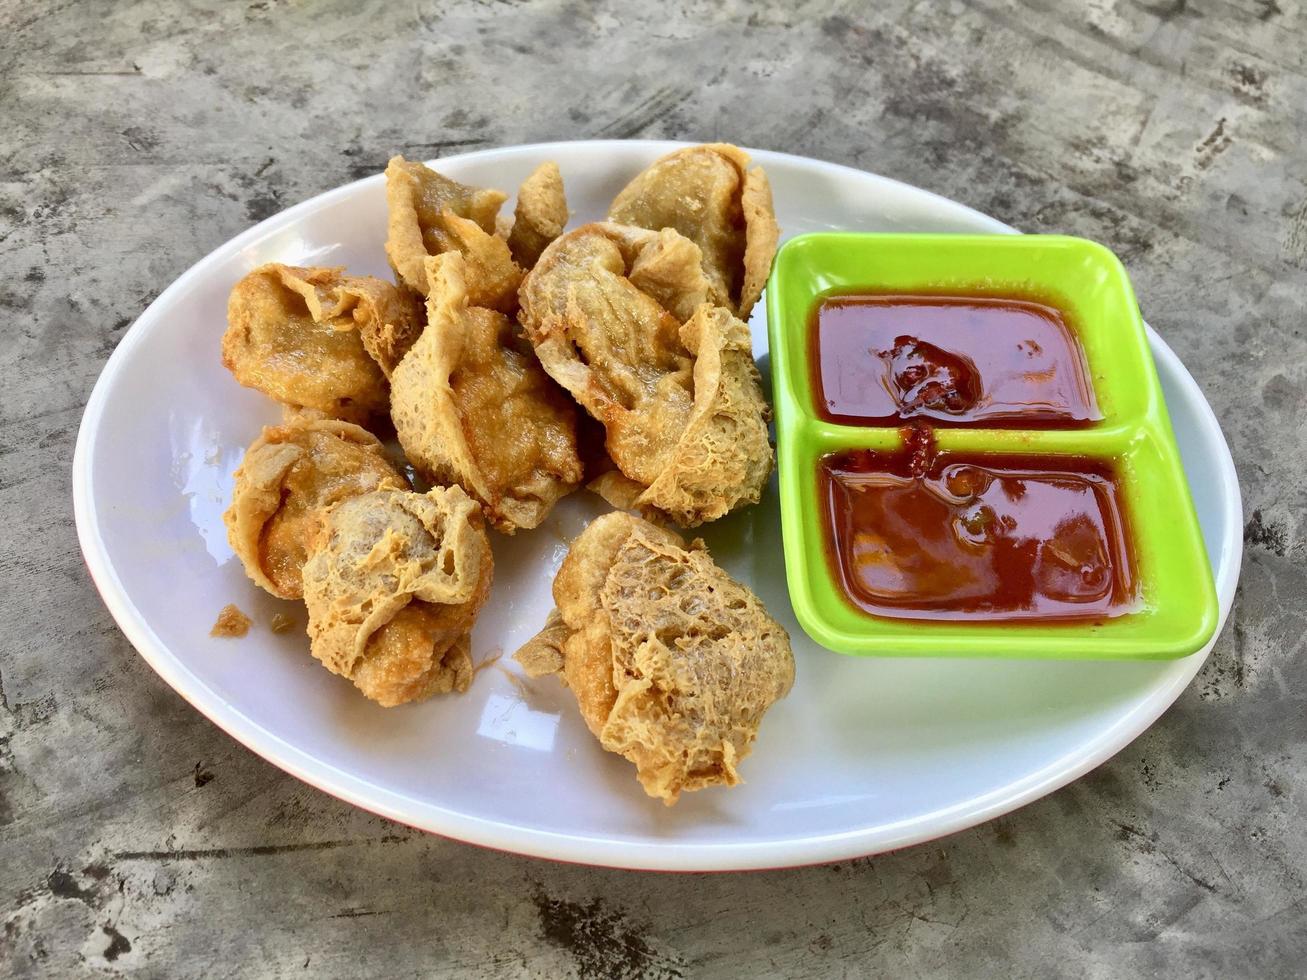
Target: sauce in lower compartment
919 535
955 360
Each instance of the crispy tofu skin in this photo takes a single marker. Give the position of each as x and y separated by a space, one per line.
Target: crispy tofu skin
318 339
540 214
393 583
710 195
680 400
429 214
389 318
472 406
288 475
672 662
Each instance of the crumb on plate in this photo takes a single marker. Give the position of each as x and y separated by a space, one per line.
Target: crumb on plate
231 622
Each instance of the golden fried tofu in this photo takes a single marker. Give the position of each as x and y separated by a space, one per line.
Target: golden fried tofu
672 662
289 474
709 195
540 214
472 406
681 402
429 214
393 583
318 339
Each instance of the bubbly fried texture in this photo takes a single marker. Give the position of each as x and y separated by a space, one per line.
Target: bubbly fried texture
316 338
709 195
681 403
672 662
289 473
388 318
429 214
492 277
472 406
540 214
393 583
722 458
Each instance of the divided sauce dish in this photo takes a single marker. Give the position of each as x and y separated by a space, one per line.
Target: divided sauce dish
852 585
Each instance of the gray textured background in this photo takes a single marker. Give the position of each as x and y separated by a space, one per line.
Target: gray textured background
134 138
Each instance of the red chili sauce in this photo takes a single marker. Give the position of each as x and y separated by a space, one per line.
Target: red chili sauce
919 535
956 360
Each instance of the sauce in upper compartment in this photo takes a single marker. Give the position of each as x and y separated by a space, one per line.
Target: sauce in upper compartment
956 360
919 535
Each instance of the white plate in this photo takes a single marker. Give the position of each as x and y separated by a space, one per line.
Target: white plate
864 755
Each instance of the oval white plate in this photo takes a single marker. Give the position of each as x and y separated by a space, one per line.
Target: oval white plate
864 755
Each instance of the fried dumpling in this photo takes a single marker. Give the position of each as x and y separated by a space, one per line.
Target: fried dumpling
472 406
393 583
681 403
672 662
289 474
540 214
709 195
317 338
429 214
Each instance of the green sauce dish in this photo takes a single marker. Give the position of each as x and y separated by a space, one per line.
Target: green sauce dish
974 453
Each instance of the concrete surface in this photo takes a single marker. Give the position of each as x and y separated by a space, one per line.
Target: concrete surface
137 838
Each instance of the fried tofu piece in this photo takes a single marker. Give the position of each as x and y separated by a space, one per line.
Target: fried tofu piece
681 402
288 475
672 662
429 214
313 338
540 214
393 583
472 406
710 195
